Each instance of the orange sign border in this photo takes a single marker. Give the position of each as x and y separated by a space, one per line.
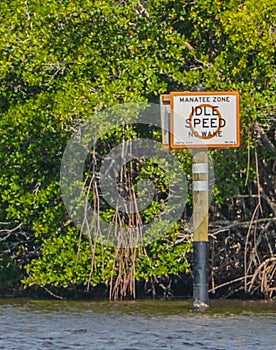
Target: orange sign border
206 144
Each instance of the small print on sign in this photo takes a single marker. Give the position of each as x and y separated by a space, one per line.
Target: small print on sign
204 119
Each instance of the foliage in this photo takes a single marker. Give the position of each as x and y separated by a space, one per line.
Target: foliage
62 61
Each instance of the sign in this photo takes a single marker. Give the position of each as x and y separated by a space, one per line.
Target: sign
165 111
204 119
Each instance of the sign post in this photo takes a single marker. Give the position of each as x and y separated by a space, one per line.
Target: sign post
200 120
200 232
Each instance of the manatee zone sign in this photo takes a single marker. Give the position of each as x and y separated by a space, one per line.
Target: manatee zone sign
204 119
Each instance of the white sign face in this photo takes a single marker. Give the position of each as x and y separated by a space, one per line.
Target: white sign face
204 119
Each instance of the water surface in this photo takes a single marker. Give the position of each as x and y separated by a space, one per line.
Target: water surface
27 324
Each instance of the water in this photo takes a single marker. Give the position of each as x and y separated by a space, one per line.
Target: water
136 325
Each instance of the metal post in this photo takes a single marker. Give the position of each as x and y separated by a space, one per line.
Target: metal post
200 223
